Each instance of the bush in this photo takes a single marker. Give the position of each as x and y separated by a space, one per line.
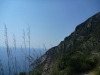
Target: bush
37 72
77 64
22 73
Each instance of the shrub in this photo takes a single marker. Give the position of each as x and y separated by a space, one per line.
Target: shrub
37 72
77 63
22 73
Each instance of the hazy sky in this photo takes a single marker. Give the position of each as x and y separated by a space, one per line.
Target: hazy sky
50 21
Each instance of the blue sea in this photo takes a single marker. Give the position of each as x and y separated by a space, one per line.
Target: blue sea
20 57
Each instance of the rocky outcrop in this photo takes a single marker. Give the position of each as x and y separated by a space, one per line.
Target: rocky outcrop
85 37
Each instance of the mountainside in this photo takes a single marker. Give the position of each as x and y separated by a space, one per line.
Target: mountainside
77 54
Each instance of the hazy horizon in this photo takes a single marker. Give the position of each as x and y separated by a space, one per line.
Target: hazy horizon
50 21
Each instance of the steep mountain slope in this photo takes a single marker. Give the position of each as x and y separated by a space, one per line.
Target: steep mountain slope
78 53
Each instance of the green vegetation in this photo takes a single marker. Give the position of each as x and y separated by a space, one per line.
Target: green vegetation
77 64
22 73
78 53
37 72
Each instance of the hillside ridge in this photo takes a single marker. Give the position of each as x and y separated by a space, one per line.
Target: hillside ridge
84 42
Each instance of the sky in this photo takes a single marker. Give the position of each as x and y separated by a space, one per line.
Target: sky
50 21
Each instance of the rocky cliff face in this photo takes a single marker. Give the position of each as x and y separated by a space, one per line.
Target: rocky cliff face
84 41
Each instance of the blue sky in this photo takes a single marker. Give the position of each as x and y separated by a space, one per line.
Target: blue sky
50 21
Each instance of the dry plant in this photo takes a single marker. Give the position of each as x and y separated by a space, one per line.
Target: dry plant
28 34
22 59
1 68
44 47
14 43
13 65
7 48
24 47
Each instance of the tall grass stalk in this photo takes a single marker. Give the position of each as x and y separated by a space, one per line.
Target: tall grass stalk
44 47
14 42
29 44
35 53
13 65
25 47
23 70
7 48
1 68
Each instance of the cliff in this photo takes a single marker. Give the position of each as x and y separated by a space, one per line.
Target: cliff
76 54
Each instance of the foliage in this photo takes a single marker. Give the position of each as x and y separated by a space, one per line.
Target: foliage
37 72
22 73
74 54
76 63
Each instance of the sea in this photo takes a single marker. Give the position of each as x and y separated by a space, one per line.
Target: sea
20 54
